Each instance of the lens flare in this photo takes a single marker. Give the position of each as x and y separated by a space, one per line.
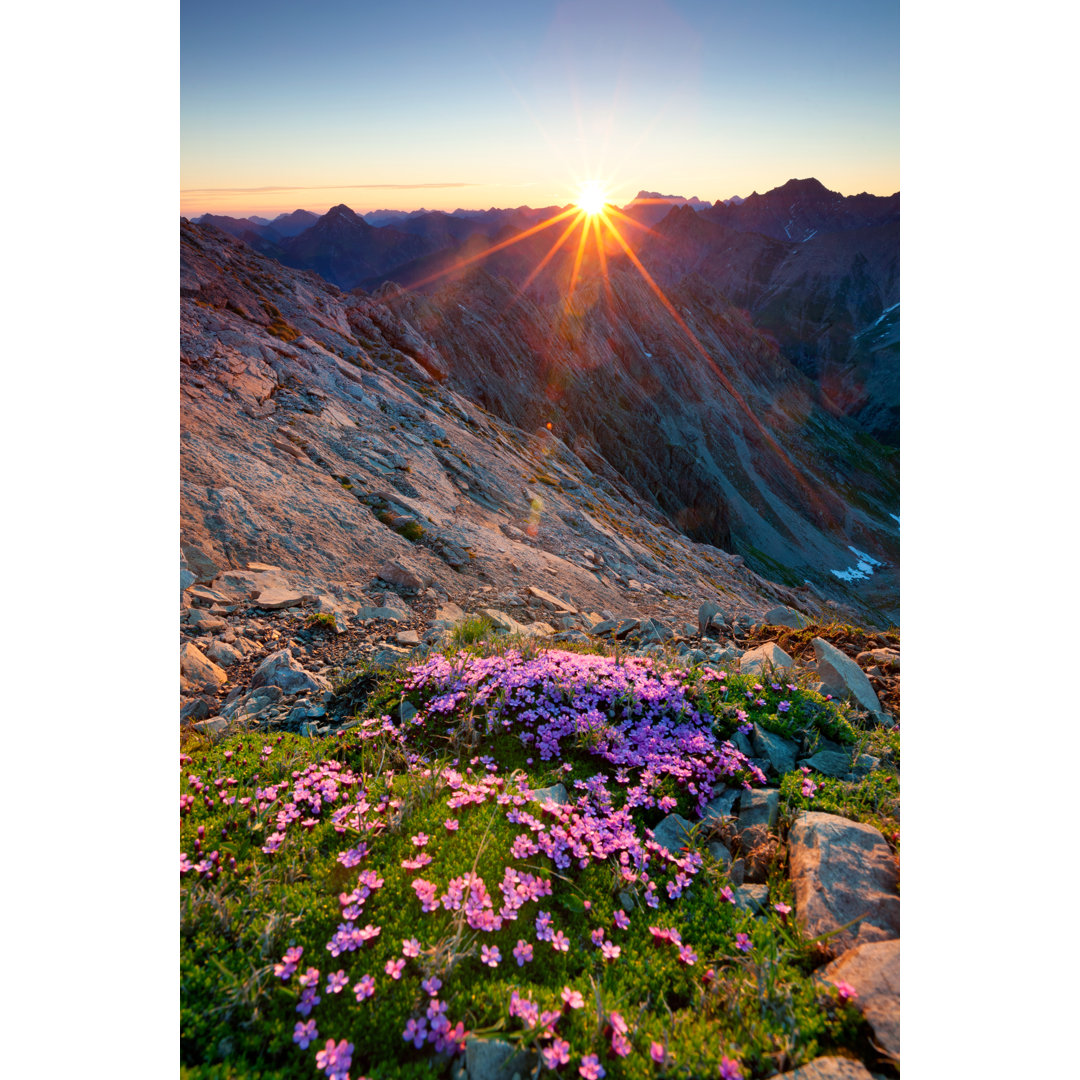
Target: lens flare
591 199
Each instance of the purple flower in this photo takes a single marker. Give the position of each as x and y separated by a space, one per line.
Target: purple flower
336 982
523 952
305 1033
558 1053
597 936
490 956
431 986
730 1070
783 706
415 1032
743 943
364 988
621 920
335 1059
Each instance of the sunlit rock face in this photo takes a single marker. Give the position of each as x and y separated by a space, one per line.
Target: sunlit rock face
316 423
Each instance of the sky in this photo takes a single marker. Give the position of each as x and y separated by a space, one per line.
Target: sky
488 103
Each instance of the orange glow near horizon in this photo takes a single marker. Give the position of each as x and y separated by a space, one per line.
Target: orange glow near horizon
592 198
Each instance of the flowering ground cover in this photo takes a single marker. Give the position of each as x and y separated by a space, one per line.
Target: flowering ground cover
362 904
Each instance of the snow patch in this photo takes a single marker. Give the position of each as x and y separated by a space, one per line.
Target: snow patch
895 518
862 569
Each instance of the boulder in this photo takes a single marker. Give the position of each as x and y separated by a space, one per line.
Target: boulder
278 599
214 725
673 833
194 710
501 621
829 763
282 670
828 1068
201 596
759 807
874 971
763 658
202 621
651 630
721 807
450 614
720 852
843 677
199 563
390 599
785 616
710 614
556 793
379 613
407 637
247 584
405 576
843 871
261 567
493 1059
552 603
779 752
197 672
752 898
223 654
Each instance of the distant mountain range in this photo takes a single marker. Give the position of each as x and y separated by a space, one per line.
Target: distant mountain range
814 269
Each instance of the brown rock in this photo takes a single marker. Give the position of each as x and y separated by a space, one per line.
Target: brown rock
874 971
553 603
843 871
197 672
407 577
829 1068
223 654
277 599
769 655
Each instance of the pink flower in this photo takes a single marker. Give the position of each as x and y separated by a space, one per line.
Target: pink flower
597 936
336 982
305 1033
727 894
420 839
394 968
523 952
410 947
687 955
730 1070
451 824
658 1053
590 1068
620 1044
784 909
743 943
364 988
611 951
573 998
621 920
846 991
490 956
558 1053
560 942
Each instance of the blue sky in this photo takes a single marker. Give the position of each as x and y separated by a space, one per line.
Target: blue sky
478 104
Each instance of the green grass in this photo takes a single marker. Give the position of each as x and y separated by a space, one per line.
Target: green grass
763 1008
322 621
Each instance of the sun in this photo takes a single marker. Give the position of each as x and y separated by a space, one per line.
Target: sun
591 199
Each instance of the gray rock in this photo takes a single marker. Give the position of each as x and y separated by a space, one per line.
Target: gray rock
843 871
752 898
556 793
197 672
407 637
874 971
603 628
223 654
829 763
785 616
623 627
281 670
843 677
743 744
247 584
710 614
450 614
202 621
493 1059
379 613
406 711
215 725
764 658
759 807
721 807
651 630
407 576
866 763
194 710
673 833
779 752
720 853
187 578
828 1068
387 598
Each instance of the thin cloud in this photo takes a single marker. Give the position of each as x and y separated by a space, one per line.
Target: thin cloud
319 187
